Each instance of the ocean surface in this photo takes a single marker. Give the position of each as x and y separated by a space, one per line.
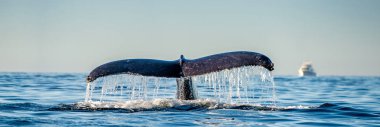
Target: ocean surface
58 99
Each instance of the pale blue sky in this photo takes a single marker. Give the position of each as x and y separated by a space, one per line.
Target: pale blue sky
340 37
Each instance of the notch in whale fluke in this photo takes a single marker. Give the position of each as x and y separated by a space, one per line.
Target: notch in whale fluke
182 67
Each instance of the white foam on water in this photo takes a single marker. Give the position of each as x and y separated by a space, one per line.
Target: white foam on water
251 85
298 107
174 104
150 104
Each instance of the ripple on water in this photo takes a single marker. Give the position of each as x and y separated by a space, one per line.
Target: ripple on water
34 100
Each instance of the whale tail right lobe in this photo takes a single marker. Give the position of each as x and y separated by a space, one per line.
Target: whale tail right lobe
223 61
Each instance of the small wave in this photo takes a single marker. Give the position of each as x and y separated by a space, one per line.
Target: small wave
21 106
348 111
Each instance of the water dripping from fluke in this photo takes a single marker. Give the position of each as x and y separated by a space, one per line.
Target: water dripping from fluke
222 80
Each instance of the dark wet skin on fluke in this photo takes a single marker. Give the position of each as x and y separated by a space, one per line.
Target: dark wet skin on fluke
182 69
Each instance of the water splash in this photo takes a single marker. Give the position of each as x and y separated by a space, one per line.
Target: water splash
173 105
125 87
154 104
245 85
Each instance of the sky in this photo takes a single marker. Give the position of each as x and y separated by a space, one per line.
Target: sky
340 37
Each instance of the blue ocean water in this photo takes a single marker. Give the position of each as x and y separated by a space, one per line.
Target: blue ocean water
52 99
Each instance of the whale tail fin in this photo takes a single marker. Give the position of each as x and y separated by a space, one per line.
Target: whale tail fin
182 67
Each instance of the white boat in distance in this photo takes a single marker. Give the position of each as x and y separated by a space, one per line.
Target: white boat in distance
306 70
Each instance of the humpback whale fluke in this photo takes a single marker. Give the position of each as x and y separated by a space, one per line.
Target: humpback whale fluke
182 69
